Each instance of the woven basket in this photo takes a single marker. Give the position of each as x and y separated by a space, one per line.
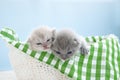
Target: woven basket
102 62
28 68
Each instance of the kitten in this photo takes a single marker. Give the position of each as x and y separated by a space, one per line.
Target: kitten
66 44
41 39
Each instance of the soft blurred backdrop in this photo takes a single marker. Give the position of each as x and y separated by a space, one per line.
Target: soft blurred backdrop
86 17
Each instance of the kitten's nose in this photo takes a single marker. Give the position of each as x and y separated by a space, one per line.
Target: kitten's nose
44 45
64 57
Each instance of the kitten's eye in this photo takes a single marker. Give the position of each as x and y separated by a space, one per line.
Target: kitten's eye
48 40
38 43
57 52
69 52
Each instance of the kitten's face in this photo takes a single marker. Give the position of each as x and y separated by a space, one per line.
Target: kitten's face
65 46
41 39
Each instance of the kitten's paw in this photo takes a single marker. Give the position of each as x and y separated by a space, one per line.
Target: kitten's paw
84 50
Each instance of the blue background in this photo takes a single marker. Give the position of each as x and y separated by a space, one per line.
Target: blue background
86 17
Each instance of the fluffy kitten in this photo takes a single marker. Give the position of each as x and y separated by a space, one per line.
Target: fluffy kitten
41 39
66 44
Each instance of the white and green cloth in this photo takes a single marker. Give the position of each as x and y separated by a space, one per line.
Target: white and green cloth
102 62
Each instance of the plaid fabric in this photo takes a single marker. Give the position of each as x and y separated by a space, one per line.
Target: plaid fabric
102 62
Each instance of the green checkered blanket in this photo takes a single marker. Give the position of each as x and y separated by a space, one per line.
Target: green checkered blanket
102 62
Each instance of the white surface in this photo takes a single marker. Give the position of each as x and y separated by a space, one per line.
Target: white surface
7 75
28 68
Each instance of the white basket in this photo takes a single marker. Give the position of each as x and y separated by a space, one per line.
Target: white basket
28 68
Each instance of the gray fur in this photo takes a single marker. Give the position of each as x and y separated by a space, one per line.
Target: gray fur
67 43
39 37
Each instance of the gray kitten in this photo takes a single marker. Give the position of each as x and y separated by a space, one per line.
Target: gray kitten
41 38
66 44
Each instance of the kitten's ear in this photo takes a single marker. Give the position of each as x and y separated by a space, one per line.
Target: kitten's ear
76 41
53 32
